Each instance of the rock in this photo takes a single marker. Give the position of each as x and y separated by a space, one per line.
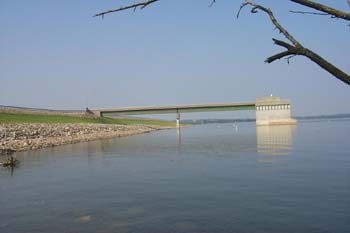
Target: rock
86 218
33 136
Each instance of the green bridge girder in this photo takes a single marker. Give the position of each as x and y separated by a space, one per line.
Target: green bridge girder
175 109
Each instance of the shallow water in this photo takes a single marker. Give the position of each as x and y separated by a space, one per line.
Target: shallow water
210 178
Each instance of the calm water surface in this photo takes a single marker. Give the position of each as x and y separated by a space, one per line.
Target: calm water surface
211 178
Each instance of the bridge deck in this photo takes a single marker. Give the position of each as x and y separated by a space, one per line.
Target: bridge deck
174 109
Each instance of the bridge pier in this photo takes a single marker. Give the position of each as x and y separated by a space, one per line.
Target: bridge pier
177 119
273 111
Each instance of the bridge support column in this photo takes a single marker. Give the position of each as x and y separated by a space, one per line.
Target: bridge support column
177 119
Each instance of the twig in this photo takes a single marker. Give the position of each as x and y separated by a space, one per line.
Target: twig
289 57
308 13
140 5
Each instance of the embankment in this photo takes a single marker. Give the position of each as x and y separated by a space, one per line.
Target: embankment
31 136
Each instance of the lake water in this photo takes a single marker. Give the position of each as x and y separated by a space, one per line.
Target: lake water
211 178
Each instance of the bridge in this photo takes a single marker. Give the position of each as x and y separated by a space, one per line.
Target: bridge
270 110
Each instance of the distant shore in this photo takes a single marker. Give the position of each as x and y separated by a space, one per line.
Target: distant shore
28 131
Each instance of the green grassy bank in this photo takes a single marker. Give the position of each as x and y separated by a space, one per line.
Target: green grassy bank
8 118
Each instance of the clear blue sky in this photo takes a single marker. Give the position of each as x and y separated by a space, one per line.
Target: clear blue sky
54 54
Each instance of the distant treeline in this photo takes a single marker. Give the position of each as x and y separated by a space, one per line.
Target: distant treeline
27 109
317 117
301 118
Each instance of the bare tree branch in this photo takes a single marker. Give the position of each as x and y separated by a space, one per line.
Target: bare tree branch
326 65
279 56
141 5
296 48
283 44
309 13
326 9
256 7
134 6
293 49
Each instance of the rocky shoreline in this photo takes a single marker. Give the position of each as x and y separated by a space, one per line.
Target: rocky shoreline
20 137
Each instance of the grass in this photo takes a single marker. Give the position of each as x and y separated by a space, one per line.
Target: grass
8 118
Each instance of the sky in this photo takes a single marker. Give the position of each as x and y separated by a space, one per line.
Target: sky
54 54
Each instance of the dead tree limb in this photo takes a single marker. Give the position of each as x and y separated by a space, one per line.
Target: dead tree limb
296 48
134 6
323 8
311 4
293 49
140 5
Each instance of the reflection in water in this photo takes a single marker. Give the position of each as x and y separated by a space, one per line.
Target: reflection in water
178 136
10 163
178 141
9 169
274 139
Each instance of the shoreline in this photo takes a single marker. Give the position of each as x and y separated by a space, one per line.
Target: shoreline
32 136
